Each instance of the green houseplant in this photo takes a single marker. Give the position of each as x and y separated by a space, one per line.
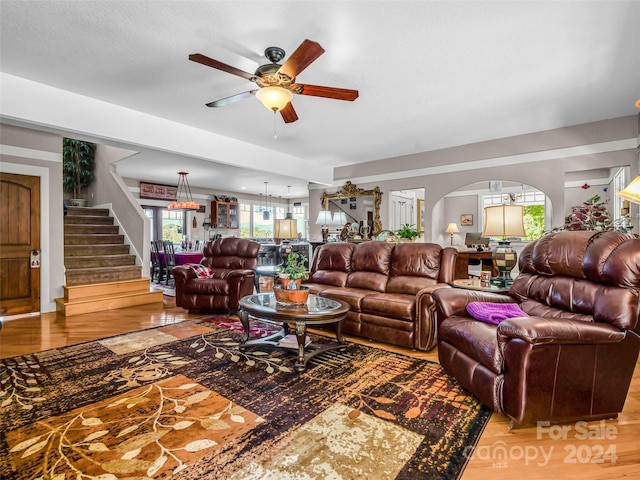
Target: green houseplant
293 270
78 163
408 232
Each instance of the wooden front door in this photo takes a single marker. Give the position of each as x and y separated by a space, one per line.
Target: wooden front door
19 244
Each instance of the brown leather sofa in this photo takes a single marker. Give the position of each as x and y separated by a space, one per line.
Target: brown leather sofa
387 286
573 357
232 261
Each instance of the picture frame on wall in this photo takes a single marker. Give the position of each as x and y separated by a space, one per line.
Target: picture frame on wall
158 192
466 219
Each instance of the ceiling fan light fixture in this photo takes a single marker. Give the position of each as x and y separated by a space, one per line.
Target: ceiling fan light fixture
274 98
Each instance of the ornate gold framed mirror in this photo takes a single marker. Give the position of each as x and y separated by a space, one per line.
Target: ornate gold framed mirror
356 205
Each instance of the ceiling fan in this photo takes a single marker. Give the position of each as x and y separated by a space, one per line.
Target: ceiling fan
277 83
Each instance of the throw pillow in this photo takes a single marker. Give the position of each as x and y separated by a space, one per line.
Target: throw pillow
200 270
494 312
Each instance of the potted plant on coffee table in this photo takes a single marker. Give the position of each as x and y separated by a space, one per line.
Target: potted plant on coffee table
407 233
290 291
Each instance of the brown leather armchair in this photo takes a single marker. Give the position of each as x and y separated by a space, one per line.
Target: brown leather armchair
573 356
232 261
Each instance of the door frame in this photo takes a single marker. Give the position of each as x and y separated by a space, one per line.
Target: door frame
47 302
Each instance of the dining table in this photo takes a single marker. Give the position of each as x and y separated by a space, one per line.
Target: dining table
184 257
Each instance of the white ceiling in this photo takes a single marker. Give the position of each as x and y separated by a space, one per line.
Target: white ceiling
431 74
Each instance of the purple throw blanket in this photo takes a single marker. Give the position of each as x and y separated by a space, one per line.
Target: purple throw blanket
494 312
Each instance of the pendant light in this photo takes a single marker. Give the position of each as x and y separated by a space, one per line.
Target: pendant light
265 214
184 199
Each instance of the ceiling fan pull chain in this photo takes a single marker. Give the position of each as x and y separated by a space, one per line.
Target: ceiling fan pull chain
275 134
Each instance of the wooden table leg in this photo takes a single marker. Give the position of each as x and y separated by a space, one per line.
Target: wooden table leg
301 336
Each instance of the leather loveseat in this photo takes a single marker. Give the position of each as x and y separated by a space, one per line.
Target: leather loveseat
572 357
387 286
232 262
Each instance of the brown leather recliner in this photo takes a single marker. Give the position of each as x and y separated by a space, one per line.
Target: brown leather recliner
233 261
573 357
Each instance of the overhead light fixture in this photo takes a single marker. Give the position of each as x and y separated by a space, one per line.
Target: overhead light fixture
632 191
265 214
274 98
184 199
451 229
504 221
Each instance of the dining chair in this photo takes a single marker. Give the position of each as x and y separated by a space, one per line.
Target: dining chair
169 259
156 265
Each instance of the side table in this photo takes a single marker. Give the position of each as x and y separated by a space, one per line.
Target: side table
476 284
265 271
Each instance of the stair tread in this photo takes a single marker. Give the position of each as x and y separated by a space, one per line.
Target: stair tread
108 296
90 236
119 267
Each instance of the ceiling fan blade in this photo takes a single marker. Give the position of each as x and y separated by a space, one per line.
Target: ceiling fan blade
327 92
289 114
232 99
210 62
305 55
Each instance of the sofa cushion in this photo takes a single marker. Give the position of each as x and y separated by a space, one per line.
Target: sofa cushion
370 266
318 288
414 266
352 296
583 273
477 340
394 305
332 264
210 286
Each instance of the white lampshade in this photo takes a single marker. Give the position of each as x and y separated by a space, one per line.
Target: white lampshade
339 219
324 217
286 229
274 98
631 191
503 221
452 228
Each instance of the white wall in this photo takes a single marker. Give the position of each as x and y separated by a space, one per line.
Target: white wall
541 159
30 152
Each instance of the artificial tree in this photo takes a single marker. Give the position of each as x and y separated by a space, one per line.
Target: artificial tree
78 163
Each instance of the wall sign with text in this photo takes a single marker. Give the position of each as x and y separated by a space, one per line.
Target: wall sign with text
158 192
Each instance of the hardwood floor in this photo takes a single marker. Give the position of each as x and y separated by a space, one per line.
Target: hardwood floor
598 450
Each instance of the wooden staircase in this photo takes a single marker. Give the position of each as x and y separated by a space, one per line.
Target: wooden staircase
100 272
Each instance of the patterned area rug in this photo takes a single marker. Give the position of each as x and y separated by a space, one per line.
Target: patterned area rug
183 401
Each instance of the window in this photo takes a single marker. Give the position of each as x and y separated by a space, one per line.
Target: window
253 225
166 224
534 209
620 180
298 214
262 228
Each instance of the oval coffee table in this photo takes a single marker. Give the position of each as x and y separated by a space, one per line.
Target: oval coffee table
317 311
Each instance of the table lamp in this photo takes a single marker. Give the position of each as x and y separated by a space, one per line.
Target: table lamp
632 191
284 230
451 229
339 219
504 221
324 219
